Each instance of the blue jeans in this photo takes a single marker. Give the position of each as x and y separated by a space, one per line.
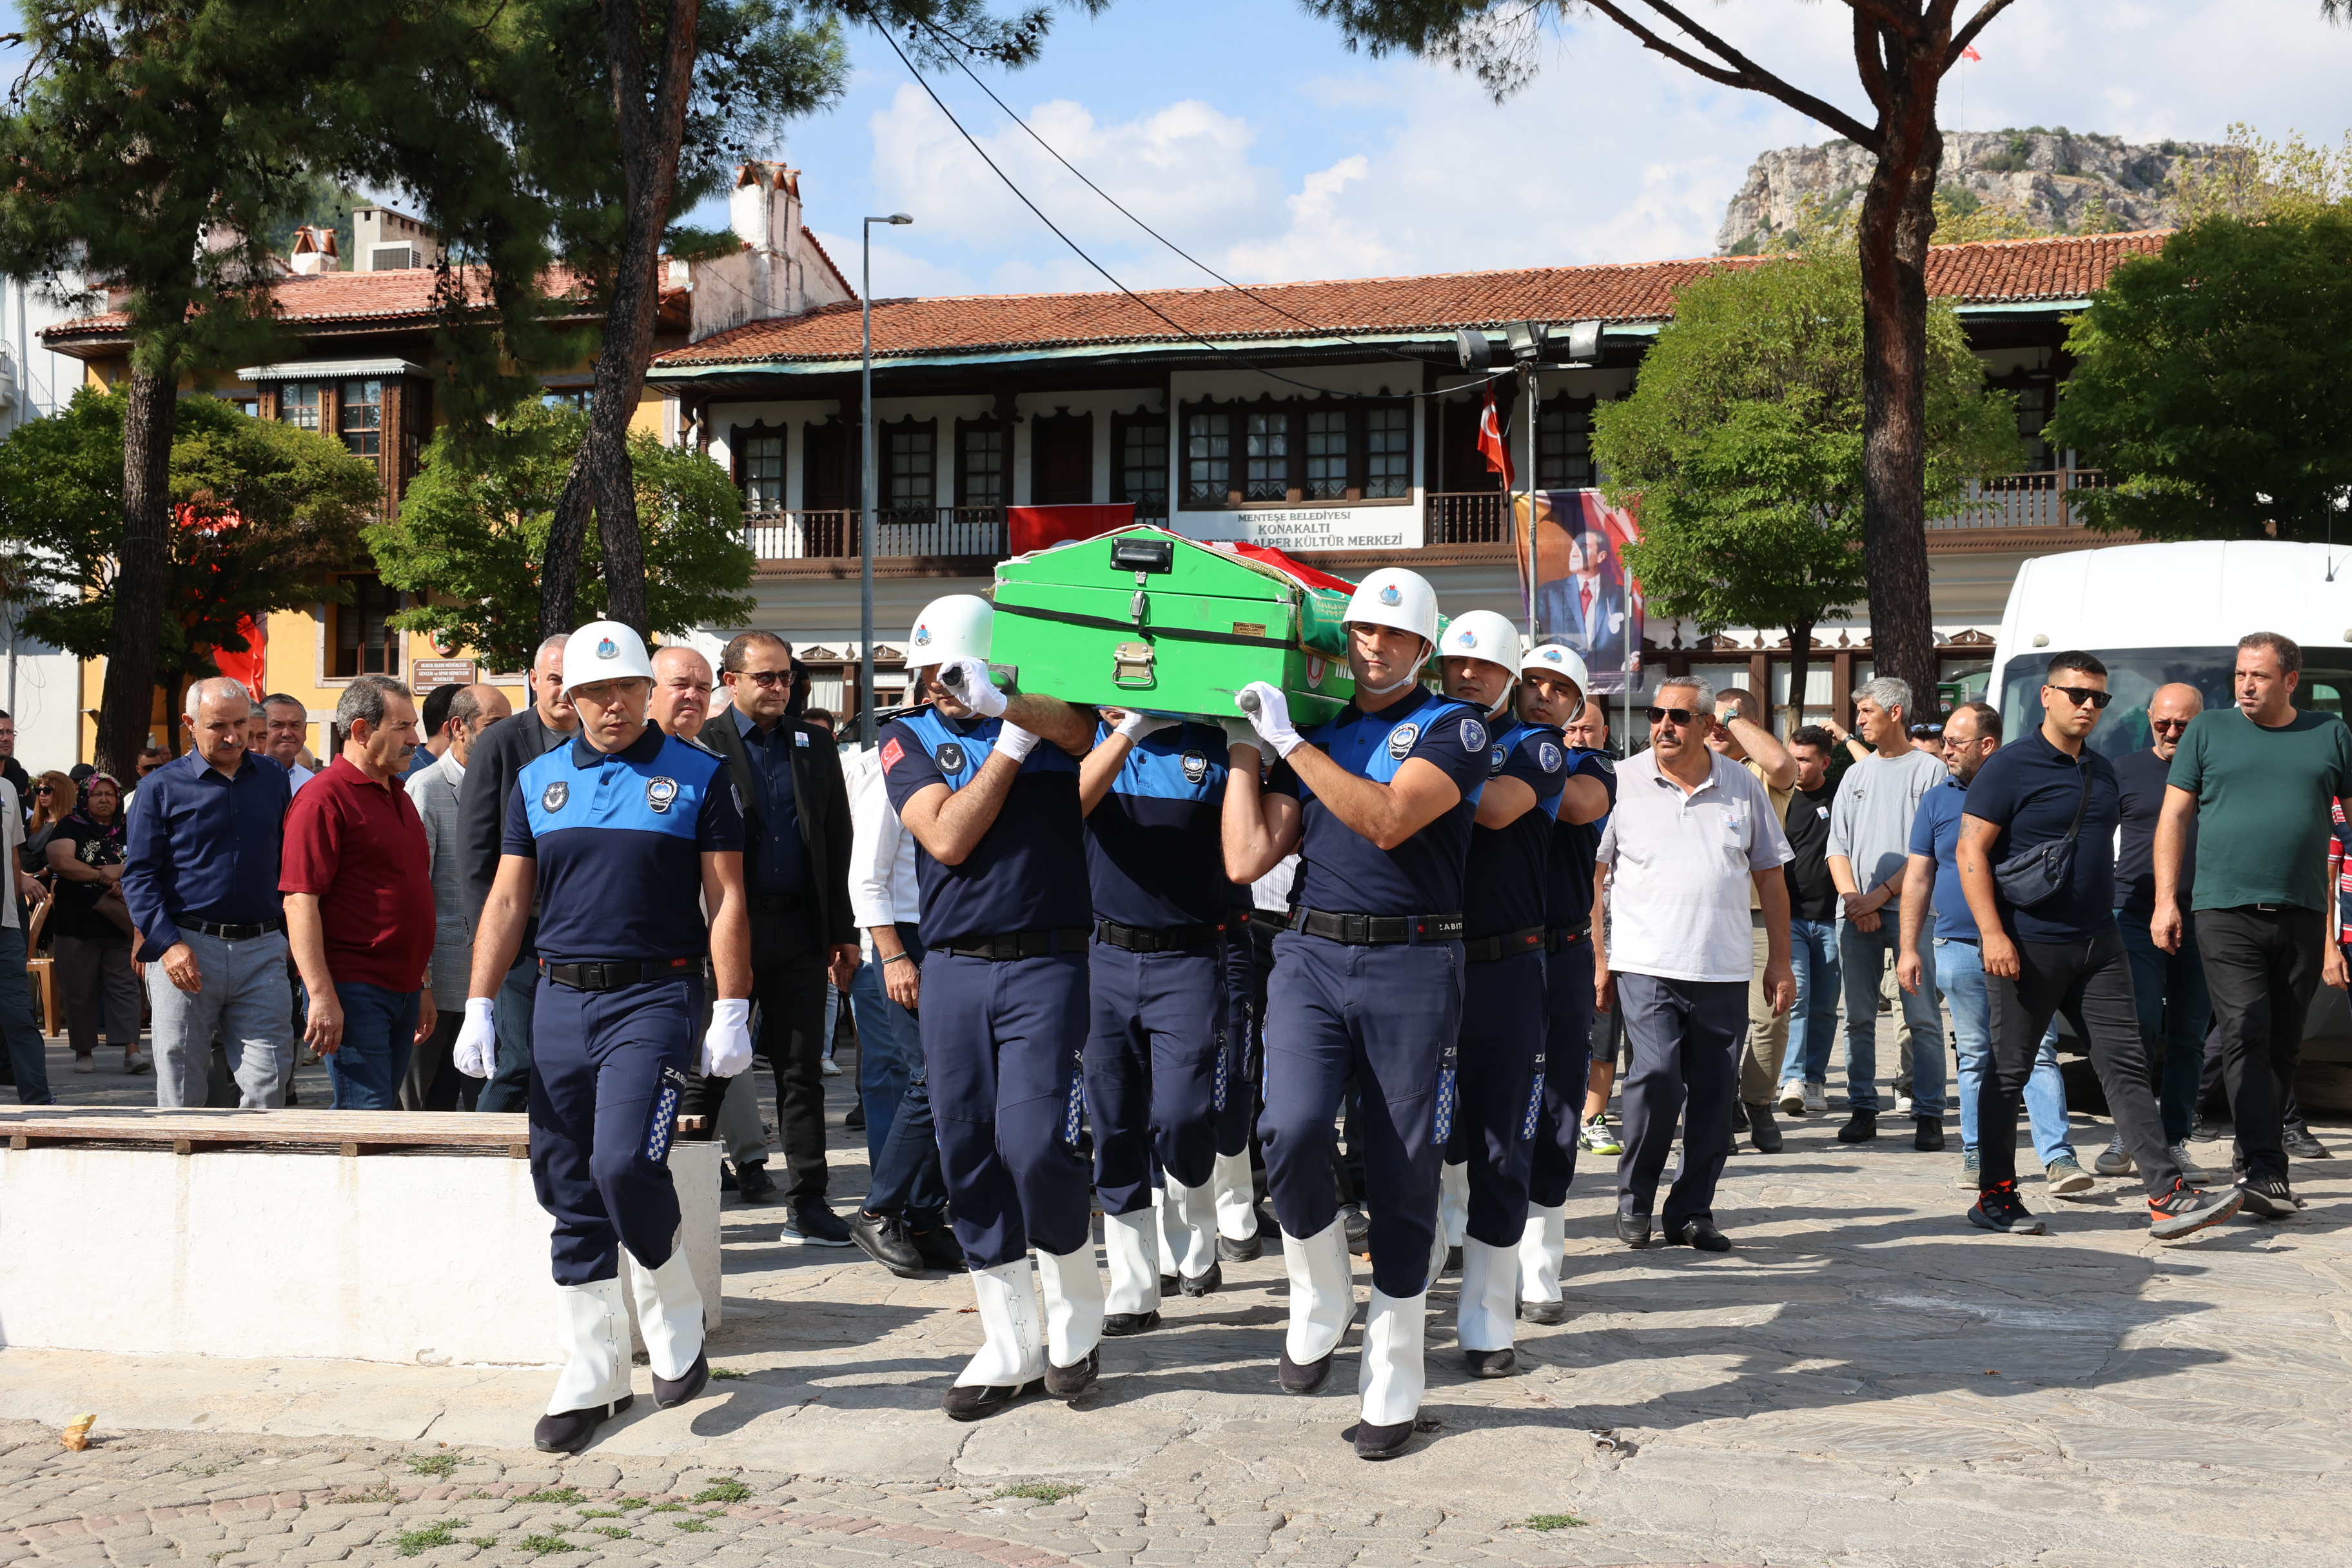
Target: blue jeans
27 1053
379 1031
1959 967
509 1084
888 1043
1863 956
1813 1022
2168 988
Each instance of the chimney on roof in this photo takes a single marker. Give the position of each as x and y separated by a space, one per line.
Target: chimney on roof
383 240
765 209
780 271
315 251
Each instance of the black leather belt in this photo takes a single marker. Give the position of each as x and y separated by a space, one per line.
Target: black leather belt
612 974
1487 949
1164 939
1010 945
231 933
1377 931
1560 937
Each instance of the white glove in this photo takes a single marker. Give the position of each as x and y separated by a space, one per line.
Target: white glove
1136 726
1239 733
1014 742
978 691
475 1054
726 1044
1271 718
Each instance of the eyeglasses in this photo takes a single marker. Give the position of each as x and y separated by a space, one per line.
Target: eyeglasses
1678 717
2167 726
2082 694
766 678
45 789
1926 731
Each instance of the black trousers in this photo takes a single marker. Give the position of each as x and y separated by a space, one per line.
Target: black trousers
788 981
2090 982
2212 1096
2261 967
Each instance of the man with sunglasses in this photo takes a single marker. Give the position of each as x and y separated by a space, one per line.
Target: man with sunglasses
2048 796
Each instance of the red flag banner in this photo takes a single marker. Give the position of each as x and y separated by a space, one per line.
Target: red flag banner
1036 527
1491 445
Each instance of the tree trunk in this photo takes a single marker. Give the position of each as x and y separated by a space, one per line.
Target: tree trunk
559 568
142 570
1800 647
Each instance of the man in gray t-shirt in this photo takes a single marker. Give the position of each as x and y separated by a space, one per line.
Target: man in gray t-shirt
1869 849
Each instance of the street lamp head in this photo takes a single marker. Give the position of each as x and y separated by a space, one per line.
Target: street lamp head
893 218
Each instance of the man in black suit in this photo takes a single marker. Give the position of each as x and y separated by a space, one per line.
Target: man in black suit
796 870
501 752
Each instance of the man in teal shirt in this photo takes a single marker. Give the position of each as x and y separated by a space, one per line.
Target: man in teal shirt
2258 780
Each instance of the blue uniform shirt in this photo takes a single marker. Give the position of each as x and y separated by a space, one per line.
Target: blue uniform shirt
203 846
2028 789
1155 843
1576 847
1504 888
1936 832
775 862
619 839
1028 871
1342 871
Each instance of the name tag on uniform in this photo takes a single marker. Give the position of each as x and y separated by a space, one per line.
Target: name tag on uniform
800 737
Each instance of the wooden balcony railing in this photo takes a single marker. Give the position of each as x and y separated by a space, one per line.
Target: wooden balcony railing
2044 498
1466 517
976 532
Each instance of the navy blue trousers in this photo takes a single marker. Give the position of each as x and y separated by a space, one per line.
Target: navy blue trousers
1229 1124
607 1070
1154 1059
1502 1083
1392 1016
1568 1072
1003 1051
1685 1035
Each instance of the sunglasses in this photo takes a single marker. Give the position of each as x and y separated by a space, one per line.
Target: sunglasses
1926 731
2082 694
1678 717
766 678
2167 726
45 790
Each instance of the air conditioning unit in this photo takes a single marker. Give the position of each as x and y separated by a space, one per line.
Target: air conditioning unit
395 258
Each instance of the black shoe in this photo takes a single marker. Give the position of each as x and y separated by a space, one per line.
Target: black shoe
1382 1441
2267 1197
939 1247
1702 1235
978 1401
1490 1363
2185 1209
1169 1285
1308 1379
2299 1142
1860 1128
2204 1130
1073 1383
855 1122
1453 1261
754 1182
1997 1208
1247 1251
1929 1139
568 1431
883 1238
1201 1285
727 1178
1118 1325
1359 1226
671 1392
813 1225
1544 1313
1633 1229
1762 1130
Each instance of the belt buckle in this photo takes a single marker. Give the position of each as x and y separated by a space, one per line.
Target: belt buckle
1004 948
593 977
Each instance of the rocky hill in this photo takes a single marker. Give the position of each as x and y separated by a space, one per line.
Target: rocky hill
2053 181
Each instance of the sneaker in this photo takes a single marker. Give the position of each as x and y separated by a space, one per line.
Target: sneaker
811 1224
1902 1105
1928 1134
2066 1176
1793 1099
2000 1210
133 1063
2114 1160
827 1066
1971 1163
1598 1139
2267 1197
83 1064
1817 1099
1861 1127
751 1180
2185 1209
2204 1129
2299 1142
2189 1169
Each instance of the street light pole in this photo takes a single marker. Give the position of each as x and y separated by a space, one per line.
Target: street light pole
865 487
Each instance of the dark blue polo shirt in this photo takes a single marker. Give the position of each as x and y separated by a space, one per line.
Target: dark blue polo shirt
1342 871
619 838
2029 789
1028 871
203 846
1155 843
2139 795
775 860
1576 847
1503 885
1936 833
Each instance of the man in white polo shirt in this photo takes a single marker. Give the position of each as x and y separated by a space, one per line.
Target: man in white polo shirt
1692 833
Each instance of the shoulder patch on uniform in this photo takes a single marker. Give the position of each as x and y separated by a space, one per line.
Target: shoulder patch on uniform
552 797
1400 739
661 793
893 754
1604 761
949 757
1496 760
1547 757
1473 735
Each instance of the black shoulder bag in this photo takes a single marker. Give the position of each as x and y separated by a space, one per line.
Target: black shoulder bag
2036 876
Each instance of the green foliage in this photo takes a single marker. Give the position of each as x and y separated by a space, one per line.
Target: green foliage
2214 382
2252 177
1741 444
1041 1492
727 1490
543 1544
433 1465
610 1531
443 1533
474 524
551 1494
692 1525
1551 1521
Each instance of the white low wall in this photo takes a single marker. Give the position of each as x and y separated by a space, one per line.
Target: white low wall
424 1258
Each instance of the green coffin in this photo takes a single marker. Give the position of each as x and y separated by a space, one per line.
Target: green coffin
1143 619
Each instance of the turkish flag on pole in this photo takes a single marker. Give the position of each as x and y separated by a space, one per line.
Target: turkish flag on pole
1968 52
1490 440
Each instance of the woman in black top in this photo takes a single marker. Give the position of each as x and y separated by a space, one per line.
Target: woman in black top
93 929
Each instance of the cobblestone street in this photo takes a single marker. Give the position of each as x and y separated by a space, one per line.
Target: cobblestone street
1865 1380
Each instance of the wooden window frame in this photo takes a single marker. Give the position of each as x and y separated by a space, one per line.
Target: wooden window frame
985 425
738 437
1120 424
883 436
1060 418
1295 411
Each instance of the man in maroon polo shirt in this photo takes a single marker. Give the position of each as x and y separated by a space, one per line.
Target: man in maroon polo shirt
356 873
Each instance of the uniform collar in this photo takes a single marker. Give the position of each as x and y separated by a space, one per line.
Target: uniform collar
645 749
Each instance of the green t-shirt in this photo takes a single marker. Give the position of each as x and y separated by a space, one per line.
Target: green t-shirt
2261 805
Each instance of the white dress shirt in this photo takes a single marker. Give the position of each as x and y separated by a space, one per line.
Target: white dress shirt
882 885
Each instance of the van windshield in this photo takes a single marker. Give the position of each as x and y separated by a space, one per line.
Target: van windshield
2134 674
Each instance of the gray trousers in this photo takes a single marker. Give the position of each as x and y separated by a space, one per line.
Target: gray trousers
1684 1036
245 999
739 1119
100 990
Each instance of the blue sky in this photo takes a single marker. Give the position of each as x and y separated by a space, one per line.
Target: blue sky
1247 132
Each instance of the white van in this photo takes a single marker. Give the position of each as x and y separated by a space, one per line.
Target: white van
2155 614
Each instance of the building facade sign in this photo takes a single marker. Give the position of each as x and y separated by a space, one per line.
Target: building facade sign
1385 526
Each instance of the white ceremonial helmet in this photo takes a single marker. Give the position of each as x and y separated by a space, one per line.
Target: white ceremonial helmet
604 650
954 625
1393 596
1557 659
1483 634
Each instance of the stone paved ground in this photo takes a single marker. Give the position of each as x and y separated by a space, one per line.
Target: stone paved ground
1864 1381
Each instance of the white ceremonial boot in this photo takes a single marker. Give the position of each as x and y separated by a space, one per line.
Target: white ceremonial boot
1073 1287
1193 1230
592 1329
1453 1205
1484 1318
1322 1303
1236 1194
1131 1249
669 1316
1541 1246
1390 1378
1014 1354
